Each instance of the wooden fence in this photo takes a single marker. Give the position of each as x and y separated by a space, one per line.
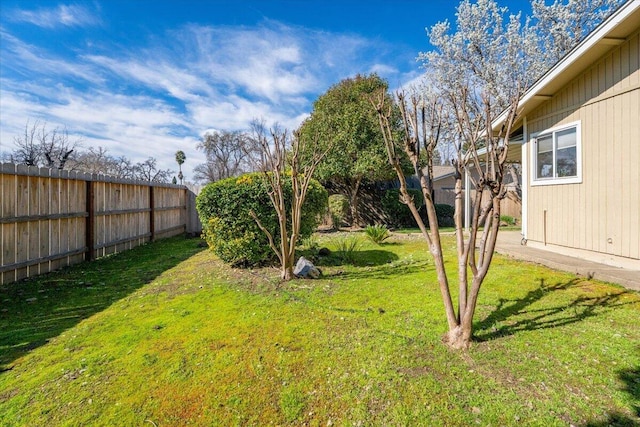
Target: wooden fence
511 205
52 218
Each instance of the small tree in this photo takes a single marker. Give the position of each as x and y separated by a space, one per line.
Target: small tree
275 155
180 158
475 71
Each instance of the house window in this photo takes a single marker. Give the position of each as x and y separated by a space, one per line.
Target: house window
557 155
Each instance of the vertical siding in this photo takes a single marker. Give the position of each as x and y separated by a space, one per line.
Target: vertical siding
602 213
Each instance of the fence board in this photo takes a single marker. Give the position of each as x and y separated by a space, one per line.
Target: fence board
51 218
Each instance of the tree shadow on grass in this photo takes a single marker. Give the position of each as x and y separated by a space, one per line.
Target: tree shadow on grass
631 380
37 309
514 315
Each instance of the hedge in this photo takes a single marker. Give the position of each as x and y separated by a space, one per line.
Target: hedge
231 232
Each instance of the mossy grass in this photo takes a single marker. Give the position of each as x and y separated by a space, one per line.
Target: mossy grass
169 335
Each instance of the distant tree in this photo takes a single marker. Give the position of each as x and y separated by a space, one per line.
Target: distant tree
342 118
180 159
148 171
28 149
226 156
98 161
41 147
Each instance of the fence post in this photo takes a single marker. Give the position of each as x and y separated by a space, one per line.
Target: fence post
90 208
152 215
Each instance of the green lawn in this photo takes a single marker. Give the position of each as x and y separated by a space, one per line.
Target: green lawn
168 335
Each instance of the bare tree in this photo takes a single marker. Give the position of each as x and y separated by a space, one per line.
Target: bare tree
475 74
55 147
28 149
278 155
148 171
423 120
41 147
226 154
99 161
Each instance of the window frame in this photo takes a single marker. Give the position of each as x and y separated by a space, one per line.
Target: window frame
555 180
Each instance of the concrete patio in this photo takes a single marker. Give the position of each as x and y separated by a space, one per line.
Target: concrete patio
509 244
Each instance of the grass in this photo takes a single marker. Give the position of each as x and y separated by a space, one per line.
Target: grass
168 335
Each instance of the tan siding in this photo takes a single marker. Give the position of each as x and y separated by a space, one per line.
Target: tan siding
602 213
633 188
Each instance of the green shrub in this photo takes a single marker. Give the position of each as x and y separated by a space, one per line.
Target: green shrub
230 231
507 219
377 233
398 214
338 209
445 215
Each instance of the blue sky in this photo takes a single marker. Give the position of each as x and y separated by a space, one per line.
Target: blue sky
149 77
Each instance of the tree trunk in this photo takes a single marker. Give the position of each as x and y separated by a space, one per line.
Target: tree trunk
354 192
458 338
287 271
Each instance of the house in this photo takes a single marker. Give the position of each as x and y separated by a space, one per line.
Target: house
444 182
580 152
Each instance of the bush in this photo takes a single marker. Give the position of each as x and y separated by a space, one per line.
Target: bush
398 214
338 209
507 219
377 233
445 215
230 231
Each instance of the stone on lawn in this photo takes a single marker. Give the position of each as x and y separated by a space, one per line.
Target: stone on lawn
305 268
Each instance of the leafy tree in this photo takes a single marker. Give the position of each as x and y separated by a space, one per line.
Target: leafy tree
180 159
226 156
343 118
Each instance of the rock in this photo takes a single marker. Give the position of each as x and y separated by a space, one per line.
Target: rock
305 269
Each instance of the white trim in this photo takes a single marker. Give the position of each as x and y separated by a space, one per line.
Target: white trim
534 158
525 177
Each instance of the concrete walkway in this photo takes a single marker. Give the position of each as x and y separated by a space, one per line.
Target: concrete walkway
509 244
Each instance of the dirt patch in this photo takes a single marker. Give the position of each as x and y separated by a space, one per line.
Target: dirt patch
6 395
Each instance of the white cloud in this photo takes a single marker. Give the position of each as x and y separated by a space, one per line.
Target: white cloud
155 99
72 15
28 59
